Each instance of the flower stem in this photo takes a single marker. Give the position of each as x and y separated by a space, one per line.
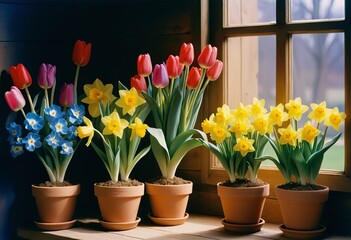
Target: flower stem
30 100
76 83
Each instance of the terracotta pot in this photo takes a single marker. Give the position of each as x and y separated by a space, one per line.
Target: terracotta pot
301 210
56 204
169 201
242 205
119 204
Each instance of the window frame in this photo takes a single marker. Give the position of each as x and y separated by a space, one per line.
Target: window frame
283 29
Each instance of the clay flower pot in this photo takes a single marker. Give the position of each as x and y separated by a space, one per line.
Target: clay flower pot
242 207
168 203
119 206
56 206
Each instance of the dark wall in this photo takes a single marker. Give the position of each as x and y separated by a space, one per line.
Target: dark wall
38 31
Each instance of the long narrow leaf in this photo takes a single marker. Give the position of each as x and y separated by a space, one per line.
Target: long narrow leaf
181 138
173 113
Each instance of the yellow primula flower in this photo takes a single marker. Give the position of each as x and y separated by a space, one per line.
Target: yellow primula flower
277 115
86 131
296 108
219 133
114 125
257 108
244 146
334 118
138 128
241 127
129 101
222 115
308 132
96 93
208 124
318 112
260 124
288 136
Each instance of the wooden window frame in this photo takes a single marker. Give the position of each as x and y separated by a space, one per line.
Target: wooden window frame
283 30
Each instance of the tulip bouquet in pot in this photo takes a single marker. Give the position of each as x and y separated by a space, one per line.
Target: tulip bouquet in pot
175 91
49 129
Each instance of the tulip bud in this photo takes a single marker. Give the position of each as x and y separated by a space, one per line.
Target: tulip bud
193 78
81 53
214 71
139 83
144 66
186 55
174 67
15 99
67 95
20 76
159 76
207 56
46 76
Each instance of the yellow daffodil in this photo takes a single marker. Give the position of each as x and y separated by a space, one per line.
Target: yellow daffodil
308 132
318 111
334 118
257 108
277 115
241 112
288 136
208 124
260 124
244 146
219 133
222 115
96 93
296 108
241 127
138 128
129 101
114 124
86 131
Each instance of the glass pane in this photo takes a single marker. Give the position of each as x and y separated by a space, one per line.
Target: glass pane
318 75
243 12
317 9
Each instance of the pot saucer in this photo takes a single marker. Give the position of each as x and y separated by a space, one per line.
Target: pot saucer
301 234
168 221
55 226
242 228
119 226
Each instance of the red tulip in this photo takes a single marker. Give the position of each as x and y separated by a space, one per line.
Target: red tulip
214 71
20 76
207 56
186 55
193 78
46 78
15 99
144 65
174 67
81 53
67 95
159 76
139 83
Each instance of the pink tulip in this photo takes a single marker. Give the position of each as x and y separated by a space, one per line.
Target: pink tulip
139 83
214 71
193 78
67 95
174 67
46 78
207 56
144 65
159 76
186 55
15 99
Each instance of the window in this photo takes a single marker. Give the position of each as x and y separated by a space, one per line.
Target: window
279 50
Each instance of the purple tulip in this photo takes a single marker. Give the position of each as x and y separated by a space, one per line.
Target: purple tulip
46 78
160 76
67 95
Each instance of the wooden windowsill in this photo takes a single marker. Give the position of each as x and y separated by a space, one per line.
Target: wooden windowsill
196 227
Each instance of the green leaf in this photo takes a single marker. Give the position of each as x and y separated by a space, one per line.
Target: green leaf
155 110
181 138
215 150
301 165
173 115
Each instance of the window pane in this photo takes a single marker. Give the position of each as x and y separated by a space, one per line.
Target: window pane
318 75
317 9
242 12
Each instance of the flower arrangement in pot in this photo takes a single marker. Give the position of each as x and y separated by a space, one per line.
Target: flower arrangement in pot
49 132
118 123
239 137
299 149
174 93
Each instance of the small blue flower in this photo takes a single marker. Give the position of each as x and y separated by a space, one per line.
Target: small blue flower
59 125
16 150
15 130
53 112
72 132
32 141
76 113
54 139
34 122
66 148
